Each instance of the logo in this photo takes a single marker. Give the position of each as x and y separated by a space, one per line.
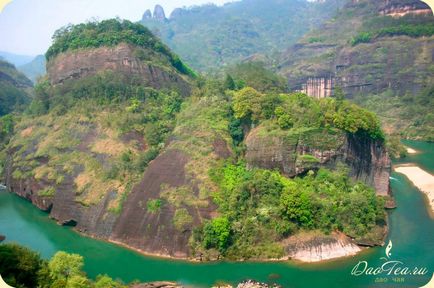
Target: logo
391 270
387 251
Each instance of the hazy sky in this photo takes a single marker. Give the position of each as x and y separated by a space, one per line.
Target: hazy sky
26 26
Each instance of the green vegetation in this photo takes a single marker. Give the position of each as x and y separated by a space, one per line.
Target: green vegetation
35 69
224 35
298 110
154 205
383 73
362 37
102 132
21 268
411 30
411 113
114 115
111 33
255 75
217 234
13 96
260 207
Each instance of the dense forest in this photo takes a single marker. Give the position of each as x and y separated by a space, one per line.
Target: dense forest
230 33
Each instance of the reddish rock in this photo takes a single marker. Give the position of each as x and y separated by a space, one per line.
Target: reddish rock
367 159
83 63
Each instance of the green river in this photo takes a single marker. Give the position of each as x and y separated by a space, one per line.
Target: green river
411 231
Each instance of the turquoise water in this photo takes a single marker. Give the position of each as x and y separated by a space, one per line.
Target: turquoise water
411 231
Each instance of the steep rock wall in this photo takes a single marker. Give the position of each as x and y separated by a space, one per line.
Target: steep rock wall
121 58
367 159
135 226
400 64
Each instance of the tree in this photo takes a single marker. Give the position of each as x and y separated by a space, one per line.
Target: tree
217 234
229 83
64 265
296 205
104 281
247 104
283 119
254 74
19 266
77 281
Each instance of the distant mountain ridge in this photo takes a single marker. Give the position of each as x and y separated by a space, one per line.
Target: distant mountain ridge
210 36
13 89
16 59
34 69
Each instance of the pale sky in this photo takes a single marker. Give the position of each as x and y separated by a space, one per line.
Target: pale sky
26 26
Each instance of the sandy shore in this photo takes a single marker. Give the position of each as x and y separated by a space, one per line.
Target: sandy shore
411 150
423 180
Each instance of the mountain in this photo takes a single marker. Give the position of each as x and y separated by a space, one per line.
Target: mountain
379 53
126 143
14 88
16 59
34 69
210 36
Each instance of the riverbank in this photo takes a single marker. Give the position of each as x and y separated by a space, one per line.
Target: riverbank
23 223
307 247
423 180
314 247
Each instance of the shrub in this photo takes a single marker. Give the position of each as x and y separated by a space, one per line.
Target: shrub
217 234
154 205
362 37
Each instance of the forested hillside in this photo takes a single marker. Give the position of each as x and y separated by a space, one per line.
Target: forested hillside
138 149
379 53
209 36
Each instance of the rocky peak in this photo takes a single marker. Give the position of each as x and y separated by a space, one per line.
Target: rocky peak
147 15
159 13
176 13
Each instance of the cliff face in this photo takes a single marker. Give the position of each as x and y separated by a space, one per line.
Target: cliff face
367 159
400 9
112 208
377 52
122 58
136 226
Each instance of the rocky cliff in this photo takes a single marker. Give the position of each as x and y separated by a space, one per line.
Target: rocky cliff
152 212
136 163
297 153
378 50
123 58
